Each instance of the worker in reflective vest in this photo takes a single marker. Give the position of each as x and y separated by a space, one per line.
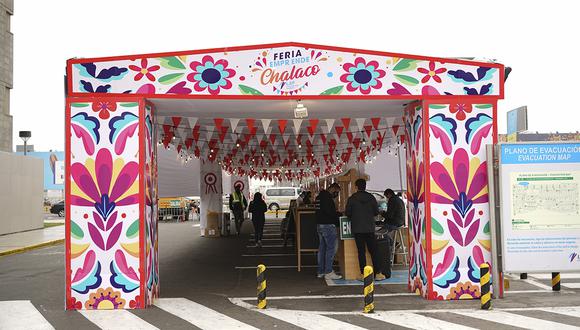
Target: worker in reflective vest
238 204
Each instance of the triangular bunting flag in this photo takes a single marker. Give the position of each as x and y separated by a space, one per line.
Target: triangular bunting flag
265 124
297 123
282 125
192 121
234 123
360 122
329 123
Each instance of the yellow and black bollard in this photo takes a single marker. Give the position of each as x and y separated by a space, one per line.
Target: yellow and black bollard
555 281
369 289
261 278
484 282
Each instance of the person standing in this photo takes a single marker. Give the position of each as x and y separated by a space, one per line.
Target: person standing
326 224
238 204
361 208
395 214
258 209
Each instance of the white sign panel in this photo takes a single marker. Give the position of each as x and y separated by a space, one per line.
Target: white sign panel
540 200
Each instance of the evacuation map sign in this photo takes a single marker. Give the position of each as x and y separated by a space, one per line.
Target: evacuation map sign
540 202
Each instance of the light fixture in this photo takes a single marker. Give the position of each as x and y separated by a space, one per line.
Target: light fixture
25 136
300 111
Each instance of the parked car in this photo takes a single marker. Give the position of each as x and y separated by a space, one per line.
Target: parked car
278 198
58 208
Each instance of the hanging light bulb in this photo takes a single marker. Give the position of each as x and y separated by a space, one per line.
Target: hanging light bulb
238 144
364 142
173 138
300 146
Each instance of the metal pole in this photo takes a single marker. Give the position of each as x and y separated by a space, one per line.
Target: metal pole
493 221
400 170
25 148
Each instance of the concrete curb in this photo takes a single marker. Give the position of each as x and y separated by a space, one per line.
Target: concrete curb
32 247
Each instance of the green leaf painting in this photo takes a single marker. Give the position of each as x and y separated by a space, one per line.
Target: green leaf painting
436 227
170 78
76 231
407 80
133 229
79 105
405 65
333 91
437 106
483 106
172 63
246 90
130 104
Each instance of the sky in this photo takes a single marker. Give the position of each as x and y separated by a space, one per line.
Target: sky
538 39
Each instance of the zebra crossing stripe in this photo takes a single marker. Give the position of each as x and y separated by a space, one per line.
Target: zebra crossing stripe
307 320
21 314
414 321
116 319
571 285
514 320
568 311
199 315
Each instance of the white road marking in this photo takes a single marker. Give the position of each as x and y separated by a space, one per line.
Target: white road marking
548 276
276 267
199 315
21 314
343 296
307 320
116 319
514 319
532 282
414 321
196 225
571 285
569 311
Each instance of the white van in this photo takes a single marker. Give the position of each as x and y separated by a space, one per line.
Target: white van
279 197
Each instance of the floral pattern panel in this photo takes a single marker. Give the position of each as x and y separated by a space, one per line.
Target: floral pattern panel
458 197
151 238
104 269
293 69
416 198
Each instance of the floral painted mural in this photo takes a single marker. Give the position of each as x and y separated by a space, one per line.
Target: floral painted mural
458 197
104 218
418 280
151 226
284 69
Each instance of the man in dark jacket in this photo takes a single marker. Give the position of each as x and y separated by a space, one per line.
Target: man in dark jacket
238 204
326 223
362 208
395 214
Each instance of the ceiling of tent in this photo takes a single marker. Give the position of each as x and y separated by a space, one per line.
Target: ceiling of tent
262 139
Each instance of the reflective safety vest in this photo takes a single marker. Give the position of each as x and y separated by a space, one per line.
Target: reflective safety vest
238 198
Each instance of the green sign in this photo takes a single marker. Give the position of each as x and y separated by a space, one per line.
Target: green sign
345 230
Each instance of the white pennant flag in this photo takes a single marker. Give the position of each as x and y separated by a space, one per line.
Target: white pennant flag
160 119
329 124
285 137
266 124
192 121
210 129
360 122
297 123
184 133
234 123
390 123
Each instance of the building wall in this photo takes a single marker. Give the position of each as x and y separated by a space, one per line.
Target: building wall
6 67
21 204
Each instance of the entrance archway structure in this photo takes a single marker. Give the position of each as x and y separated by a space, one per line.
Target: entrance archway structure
446 114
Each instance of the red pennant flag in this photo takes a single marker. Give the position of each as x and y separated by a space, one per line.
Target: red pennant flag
356 142
218 122
312 127
188 143
263 144
381 138
179 148
195 133
250 122
395 129
345 122
197 152
376 122
331 146
282 125
176 121
323 138
272 138
350 136
223 130
338 130
368 129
